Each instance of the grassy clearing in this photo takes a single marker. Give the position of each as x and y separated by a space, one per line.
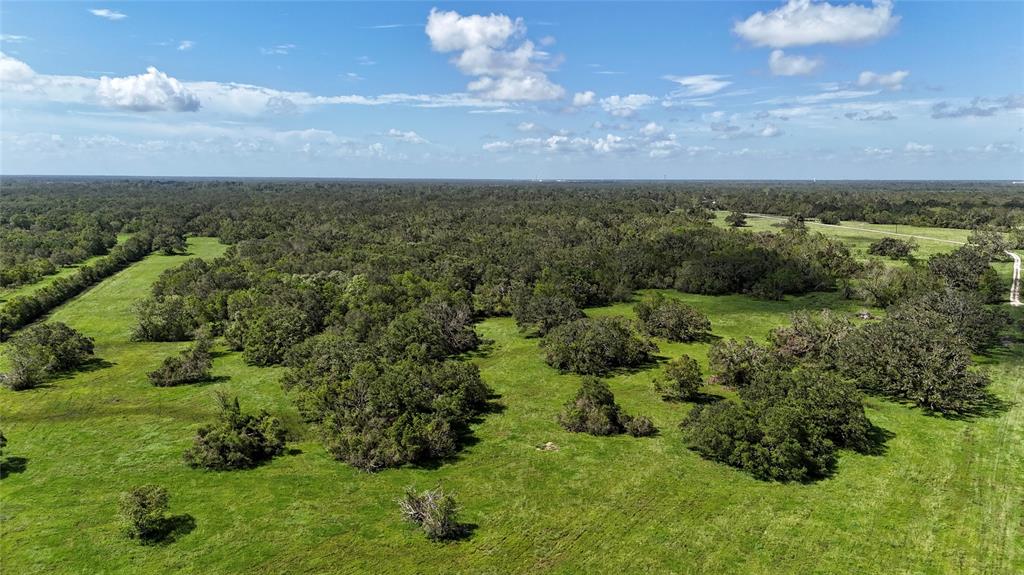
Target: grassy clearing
30 288
859 240
945 497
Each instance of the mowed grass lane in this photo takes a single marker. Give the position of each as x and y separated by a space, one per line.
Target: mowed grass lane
30 288
945 497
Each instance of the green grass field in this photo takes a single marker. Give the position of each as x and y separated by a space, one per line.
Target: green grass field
947 496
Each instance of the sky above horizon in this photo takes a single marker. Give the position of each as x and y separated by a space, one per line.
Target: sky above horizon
735 90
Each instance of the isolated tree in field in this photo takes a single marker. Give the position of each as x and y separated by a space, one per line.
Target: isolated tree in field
143 512
681 381
42 350
191 366
595 346
593 410
736 219
434 511
236 440
671 319
638 425
830 218
165 319
894 248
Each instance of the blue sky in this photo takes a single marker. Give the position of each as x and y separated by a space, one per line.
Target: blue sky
790 90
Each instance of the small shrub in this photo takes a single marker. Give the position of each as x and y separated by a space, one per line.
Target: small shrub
435 511
682 379
593 410
192 366
736 219
236 440
639 425
144 512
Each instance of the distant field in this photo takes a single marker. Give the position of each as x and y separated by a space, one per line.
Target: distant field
944 498
27 289
859 240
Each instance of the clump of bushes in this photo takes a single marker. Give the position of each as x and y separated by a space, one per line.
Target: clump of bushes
42 350
788 426
671 319
236 440
435 511
594 346
737 363
682 379
639 426
593 410
143 512
192 366
376 416
894 248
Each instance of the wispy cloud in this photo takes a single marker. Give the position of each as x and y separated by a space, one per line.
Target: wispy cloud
278 50
186 45
13 38
700 85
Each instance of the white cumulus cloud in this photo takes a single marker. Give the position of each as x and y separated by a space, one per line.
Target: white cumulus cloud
625 106
582 99
408 137
112 15
489 49
152 91
783 65
805 22
892 81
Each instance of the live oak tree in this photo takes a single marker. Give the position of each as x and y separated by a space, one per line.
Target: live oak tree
671 319
681 381
595 346
42 350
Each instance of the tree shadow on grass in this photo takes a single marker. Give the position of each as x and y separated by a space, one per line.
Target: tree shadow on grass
170 530
94 364
987 405
463 532
11 465
877 441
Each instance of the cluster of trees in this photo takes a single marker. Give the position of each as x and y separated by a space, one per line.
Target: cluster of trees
788 426
595 346
671 319
800 393
43 350
967 268
22 310
593 410
35 243
236 440
966 205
